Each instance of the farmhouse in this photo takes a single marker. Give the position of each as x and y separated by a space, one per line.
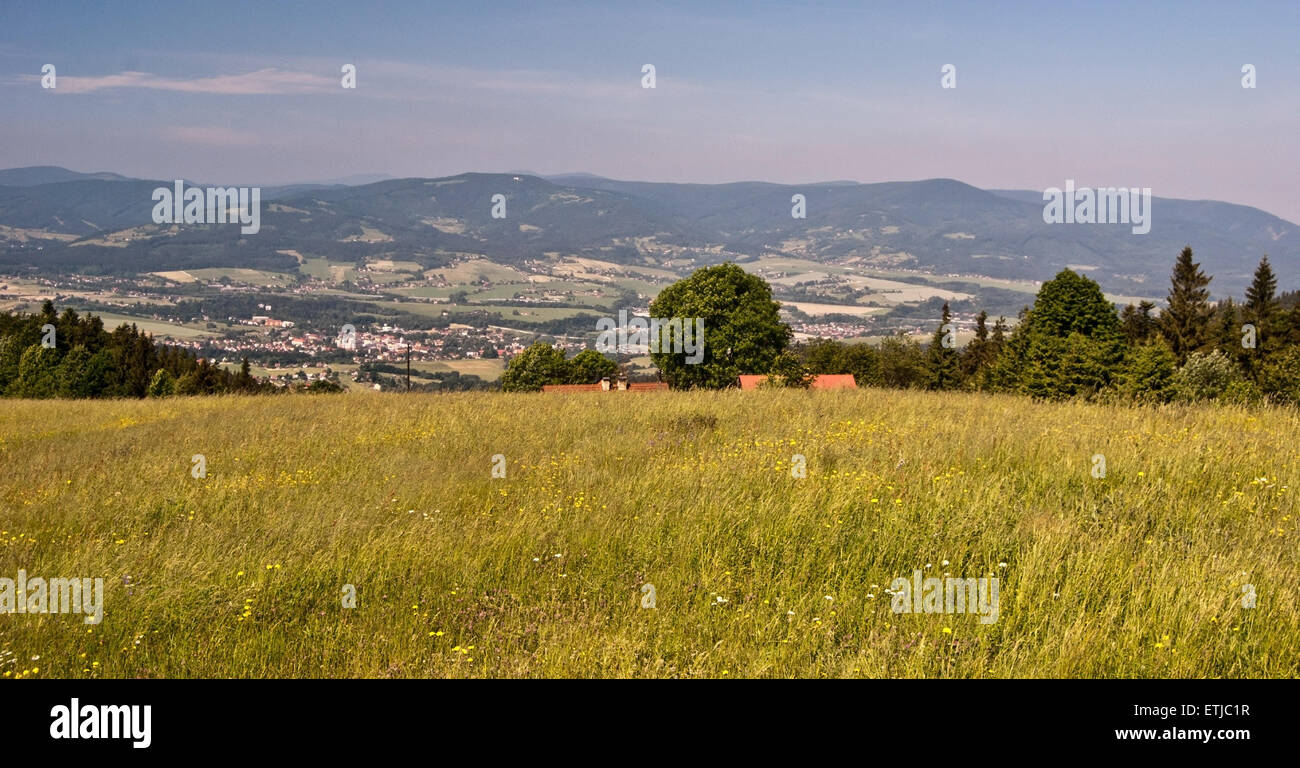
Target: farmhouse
621 384
823 381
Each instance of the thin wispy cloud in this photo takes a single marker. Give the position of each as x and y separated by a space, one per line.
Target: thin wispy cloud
262 82
778 92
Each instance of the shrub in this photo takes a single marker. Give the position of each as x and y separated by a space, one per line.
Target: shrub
535 367
163 384
1242 392
324 386
789 371
1148 373
1205 376
589 367
1280 379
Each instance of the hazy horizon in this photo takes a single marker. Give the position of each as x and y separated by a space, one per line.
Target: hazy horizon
364 179
1106 95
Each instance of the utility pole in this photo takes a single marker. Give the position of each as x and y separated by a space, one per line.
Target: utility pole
408 367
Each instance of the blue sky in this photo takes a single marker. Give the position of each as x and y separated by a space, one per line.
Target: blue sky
1108 94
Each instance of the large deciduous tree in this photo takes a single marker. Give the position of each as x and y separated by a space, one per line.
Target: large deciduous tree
539 365
589 367
741 328
1069 343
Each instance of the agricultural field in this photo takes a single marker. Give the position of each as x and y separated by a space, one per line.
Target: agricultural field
689 501
160 329
810 308
247 276
532 313
489 370
326 270
478 270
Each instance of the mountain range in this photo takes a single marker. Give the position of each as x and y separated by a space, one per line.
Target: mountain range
55 219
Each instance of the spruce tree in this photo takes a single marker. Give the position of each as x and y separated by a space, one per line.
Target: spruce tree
1137 322
1261 296
999 334
1226 336
1227 329
244 381
941 361
1185 321
1262 312
976 355
997 377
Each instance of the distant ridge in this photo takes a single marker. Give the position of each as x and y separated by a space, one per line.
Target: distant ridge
939 226
51 174
356 180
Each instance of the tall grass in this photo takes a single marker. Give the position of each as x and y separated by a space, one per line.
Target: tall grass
755 572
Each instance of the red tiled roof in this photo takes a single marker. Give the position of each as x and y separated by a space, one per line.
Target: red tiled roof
823 381
834 381
647 386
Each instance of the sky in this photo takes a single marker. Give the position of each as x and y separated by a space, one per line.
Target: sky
1107 94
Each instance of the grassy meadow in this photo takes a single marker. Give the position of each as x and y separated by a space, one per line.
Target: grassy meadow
756 573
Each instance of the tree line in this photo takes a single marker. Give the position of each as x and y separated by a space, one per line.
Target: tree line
79 358
1073 343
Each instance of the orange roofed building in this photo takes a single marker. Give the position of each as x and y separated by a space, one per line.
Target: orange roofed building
823 381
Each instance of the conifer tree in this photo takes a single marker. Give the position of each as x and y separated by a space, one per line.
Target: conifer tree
1262 311
1185 321
976 355
244 381
999 334
940 360
1261 296
1227 330
1137 322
